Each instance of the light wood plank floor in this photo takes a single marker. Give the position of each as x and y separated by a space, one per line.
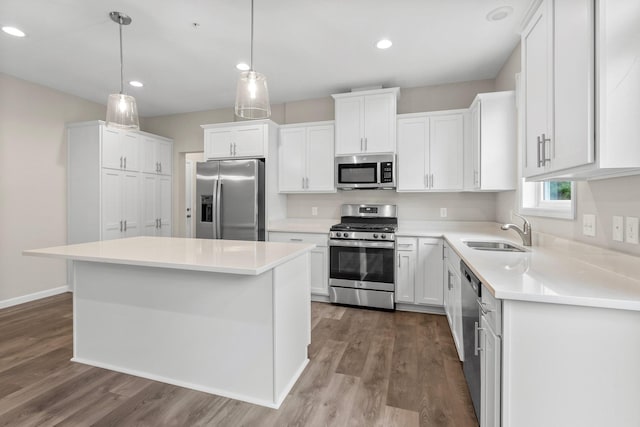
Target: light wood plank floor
367 368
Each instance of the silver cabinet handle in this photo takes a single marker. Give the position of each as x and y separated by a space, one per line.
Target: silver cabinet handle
361 144
483 306
365 143
121 162
303 182
398 260
125 225
160 223
476 339
121 226
449 286
160 167
295 240
404 245
539 152
307 182
234 149
231 148
432 185
544 149
125 162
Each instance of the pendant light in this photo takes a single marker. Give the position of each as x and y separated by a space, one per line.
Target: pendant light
252 96
122 111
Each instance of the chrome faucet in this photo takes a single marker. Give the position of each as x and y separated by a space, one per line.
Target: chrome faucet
524 232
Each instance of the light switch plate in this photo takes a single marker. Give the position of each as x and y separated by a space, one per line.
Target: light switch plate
618 229
589 225
443 212
631 230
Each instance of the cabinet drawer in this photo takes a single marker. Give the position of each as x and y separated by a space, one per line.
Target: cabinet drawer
406 244
493 310
318 239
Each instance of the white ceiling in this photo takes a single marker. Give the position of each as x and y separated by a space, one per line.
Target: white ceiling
307 49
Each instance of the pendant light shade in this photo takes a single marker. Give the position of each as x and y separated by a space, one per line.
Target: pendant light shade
122 111
252 95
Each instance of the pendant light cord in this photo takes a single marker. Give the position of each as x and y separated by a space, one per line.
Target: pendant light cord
251 58
121 62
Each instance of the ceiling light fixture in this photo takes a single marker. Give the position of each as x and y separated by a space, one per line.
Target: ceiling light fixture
384 44
499 13
136 83
243 66
252 96
122 111
13 31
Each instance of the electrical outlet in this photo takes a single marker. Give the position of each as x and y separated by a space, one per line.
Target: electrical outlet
589 225
443 212
314 211
618 229
631 230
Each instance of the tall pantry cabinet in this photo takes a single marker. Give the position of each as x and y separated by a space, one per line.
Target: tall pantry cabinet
118 183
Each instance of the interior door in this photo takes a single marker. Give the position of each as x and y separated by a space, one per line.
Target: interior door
238 195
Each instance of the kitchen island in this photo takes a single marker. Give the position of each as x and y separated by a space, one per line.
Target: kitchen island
226 317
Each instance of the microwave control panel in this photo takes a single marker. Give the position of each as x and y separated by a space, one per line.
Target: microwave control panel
386 172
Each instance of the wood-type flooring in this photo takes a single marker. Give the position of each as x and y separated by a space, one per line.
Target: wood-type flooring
367 368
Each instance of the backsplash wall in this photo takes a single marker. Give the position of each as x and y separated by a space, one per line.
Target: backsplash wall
411 206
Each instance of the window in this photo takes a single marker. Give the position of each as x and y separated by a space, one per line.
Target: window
553 199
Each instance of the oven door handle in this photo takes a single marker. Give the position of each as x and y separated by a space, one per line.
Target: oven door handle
361 244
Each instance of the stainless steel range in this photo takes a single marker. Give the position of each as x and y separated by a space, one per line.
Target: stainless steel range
362 253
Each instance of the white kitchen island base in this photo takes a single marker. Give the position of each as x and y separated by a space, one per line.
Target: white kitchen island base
232 335
223 317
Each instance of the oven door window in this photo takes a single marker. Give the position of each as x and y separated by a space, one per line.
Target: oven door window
363 264
363 173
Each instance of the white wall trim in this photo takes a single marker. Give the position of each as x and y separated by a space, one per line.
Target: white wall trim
34 296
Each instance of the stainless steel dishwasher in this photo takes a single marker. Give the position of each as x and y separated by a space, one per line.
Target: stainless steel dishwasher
471 299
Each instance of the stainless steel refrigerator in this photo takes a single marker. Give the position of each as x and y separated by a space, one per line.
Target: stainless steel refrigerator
230 200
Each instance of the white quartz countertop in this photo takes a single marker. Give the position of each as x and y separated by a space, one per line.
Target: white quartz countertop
218 256
553 270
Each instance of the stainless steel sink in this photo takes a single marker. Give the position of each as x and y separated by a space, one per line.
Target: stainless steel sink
494 246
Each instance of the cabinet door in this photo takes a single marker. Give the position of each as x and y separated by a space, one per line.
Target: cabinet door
131 203
148 150
218 143
112 156
456 302
473 155
413 153
379 123
349 125
131 150
428 287
538 77
111 204
447 297
149 216
163 206
164 154
405 276
446 140
320 271
249 141
573 87
320 159
490 376
292 159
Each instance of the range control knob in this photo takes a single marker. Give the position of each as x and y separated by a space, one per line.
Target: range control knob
384 236
338 234
345 234
375 236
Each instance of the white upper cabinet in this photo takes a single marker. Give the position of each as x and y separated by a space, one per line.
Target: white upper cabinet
120 149
240 139
157 154
490 153
558 88
366 121
430 151
306 159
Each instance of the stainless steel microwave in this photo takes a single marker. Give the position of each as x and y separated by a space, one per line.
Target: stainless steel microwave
366 172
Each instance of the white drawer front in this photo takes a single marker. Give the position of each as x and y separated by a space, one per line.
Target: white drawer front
318 239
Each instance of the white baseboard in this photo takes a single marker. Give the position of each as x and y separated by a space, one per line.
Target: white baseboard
34 296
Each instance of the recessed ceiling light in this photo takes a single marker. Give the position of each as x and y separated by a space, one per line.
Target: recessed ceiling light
384 44
13 31
243 67
499 13
136 83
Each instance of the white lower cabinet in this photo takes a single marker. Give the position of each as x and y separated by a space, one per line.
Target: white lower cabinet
156 206
319 257
419 271
453 297
120 201
490 375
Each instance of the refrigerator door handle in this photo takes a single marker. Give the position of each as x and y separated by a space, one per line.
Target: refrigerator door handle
217 234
